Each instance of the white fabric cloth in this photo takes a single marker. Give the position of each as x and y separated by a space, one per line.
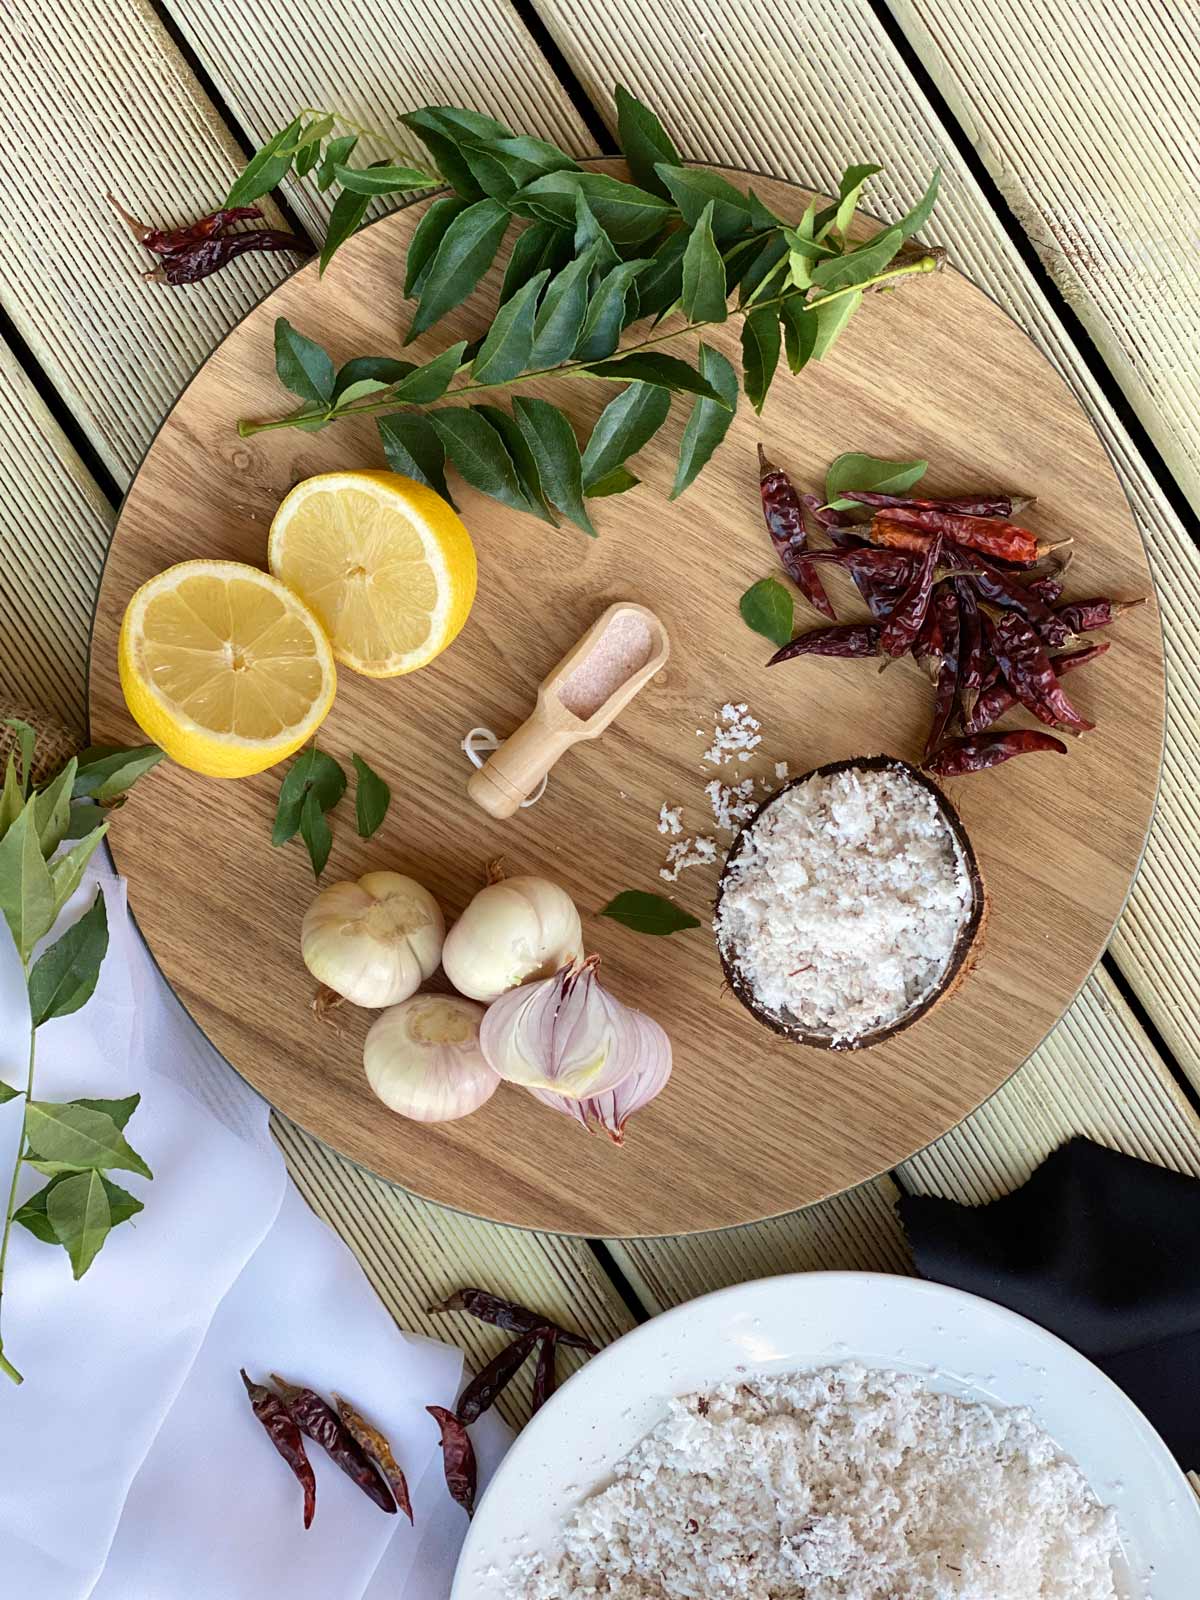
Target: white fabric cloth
131 1466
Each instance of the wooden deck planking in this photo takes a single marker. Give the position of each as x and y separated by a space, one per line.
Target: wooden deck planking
730 92
1095 1075
416 1253
372 63
54 530
801 90
856 1231
97 99
1085 116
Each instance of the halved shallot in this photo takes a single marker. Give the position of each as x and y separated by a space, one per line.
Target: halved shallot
568 1035
611 1110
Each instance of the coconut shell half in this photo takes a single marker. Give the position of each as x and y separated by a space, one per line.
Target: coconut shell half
967 946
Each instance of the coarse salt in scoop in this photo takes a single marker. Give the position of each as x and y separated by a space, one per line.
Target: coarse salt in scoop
596 679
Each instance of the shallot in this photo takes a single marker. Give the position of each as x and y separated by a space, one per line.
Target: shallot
422 1058
373 941
515 930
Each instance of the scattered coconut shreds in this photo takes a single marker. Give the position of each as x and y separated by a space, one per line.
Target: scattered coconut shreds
688 853
668 819
781 770
736 733
731 804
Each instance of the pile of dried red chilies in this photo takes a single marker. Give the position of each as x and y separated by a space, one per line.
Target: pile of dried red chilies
199 248
955 583
289 1412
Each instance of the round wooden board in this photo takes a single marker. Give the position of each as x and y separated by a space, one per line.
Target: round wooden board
751 1125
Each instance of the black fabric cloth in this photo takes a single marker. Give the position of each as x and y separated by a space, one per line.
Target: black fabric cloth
1102 1249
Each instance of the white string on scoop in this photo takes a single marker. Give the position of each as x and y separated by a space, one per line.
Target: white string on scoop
480 742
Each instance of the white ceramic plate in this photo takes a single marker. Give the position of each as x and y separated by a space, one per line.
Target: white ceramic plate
956 1342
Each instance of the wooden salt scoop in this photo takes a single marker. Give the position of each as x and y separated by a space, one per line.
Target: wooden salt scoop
596 679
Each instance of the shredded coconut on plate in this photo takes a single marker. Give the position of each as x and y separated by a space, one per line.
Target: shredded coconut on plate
840 1484
844 904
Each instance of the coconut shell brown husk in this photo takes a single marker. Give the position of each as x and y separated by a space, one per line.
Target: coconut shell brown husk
967 949
55 746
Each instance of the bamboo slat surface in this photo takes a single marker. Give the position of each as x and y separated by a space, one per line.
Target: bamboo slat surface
1085 116
96 100
803 89
118 97
857 1231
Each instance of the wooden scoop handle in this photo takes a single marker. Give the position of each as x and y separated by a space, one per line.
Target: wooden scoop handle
514 771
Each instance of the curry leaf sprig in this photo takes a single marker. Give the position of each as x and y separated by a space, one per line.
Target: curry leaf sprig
310 146
77 1144
676 250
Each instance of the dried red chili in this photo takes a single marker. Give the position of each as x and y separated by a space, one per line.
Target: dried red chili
972 657
507 1314
316 1418
1003 590
945 694
927 647
492 1380
372 1443
1030 674
999 698
543 1376
1048 590
907 615
1082 616
899 529
285 1436
199 248
985 505
784 517
853 640
957 757
458 1458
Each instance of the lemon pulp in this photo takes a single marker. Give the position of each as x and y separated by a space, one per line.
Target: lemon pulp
384 562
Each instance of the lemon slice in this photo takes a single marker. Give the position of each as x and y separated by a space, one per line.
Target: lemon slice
384 562
224 667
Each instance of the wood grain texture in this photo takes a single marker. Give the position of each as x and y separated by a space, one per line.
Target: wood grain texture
371 63
1086 118
54 529
854 1232
800 90
783 1143
1095 1075
416 1254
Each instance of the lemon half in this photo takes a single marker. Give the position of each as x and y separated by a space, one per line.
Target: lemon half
384 562
224 667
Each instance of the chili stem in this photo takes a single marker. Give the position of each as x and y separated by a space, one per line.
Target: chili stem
6 1366
571 369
